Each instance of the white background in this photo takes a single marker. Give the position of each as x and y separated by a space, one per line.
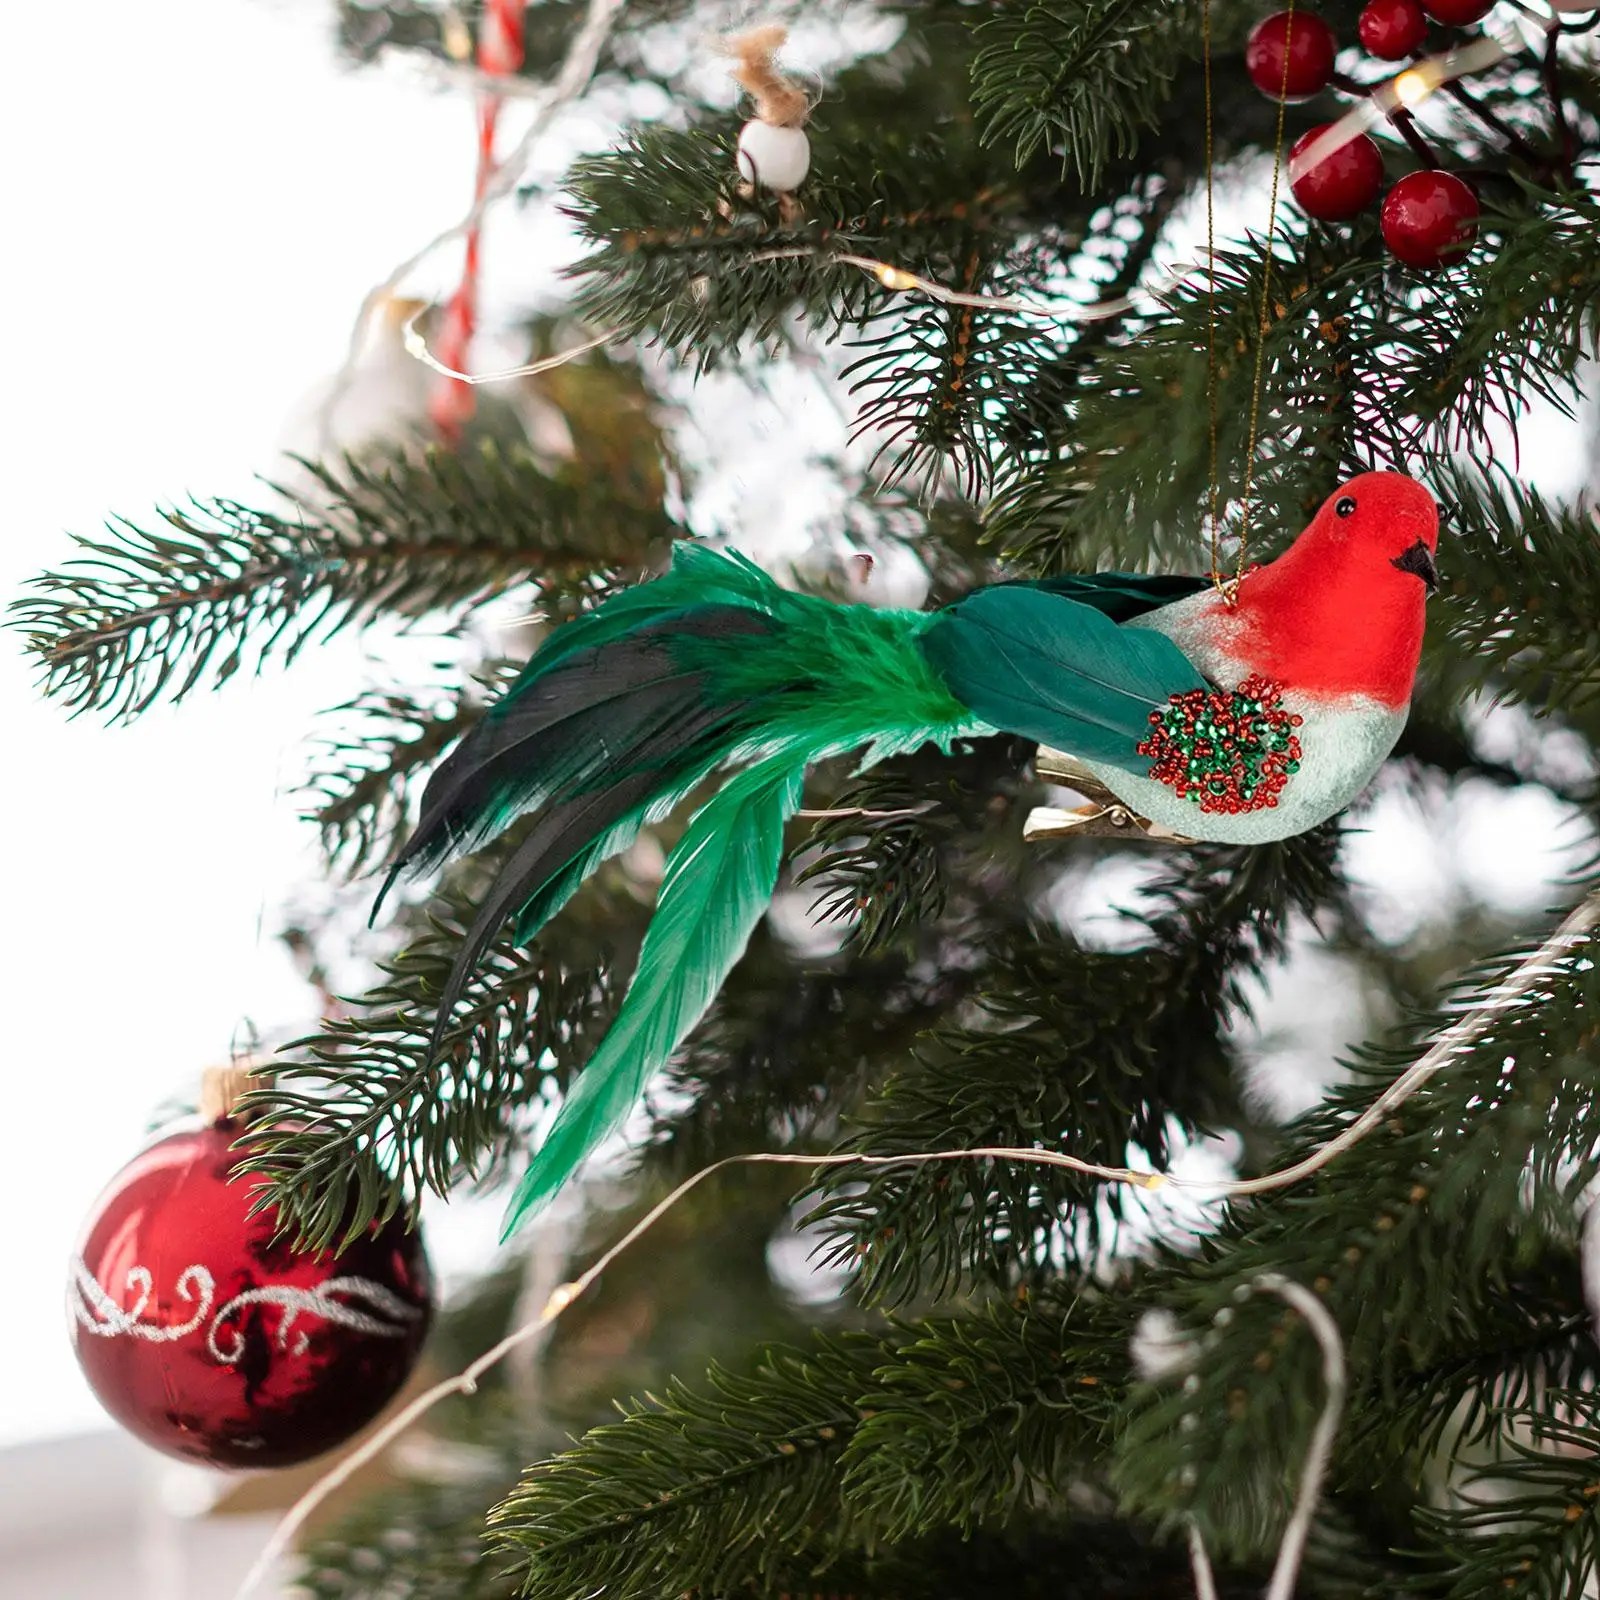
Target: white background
197 197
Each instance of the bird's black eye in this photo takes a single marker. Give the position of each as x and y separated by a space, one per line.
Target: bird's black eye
1343 506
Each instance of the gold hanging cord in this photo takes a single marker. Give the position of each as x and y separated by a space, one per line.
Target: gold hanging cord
1228 588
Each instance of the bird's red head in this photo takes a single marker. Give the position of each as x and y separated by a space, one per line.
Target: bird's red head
1376 518
1341 611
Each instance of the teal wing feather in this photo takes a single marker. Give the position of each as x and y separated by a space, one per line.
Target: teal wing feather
1053 669
718 881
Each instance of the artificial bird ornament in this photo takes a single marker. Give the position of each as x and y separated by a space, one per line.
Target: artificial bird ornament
1237 715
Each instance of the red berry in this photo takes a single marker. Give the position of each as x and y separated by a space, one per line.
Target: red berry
1308 44
1458 13
1392 29
1340 184
1430 219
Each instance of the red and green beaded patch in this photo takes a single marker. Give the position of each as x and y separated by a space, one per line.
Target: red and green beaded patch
1225 752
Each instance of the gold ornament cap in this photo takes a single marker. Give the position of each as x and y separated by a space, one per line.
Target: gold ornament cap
221 1089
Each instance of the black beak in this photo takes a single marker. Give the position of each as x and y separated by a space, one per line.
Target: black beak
1418 560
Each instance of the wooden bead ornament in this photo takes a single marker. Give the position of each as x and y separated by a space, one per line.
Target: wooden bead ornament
772 157
774 152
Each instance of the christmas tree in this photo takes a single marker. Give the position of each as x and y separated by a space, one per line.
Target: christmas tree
1371 1371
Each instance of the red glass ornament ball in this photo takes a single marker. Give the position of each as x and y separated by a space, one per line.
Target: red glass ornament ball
1307 42
1429 219
1391 30
210 1339
1341 184
1458 13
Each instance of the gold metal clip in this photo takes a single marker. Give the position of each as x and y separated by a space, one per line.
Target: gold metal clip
1104 817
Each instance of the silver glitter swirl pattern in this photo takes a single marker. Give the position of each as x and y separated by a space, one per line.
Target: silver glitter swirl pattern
363 1306
99 1314
386 1316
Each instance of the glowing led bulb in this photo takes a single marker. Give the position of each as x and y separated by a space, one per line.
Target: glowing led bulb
1412 88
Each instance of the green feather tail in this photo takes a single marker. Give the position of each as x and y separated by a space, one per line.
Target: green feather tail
623 712
716 888
699 577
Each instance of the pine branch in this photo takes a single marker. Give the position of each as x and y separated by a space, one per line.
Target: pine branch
1464 1185
813 1450
1108 497
1522 592
683 262
1037 418
361 1118
905 833
1080 1050
938 377
142 615
363 774
1078 79
786 1051
1527 1524
663 1501
1533 1337
1360 371
978 1418
680 258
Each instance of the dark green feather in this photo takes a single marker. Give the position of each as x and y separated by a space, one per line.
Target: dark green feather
699 577
1118 595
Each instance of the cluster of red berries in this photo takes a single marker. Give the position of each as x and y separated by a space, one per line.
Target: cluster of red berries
1226 752
1429 218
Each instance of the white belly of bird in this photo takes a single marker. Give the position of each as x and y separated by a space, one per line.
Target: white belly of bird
1340 752
1342 746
